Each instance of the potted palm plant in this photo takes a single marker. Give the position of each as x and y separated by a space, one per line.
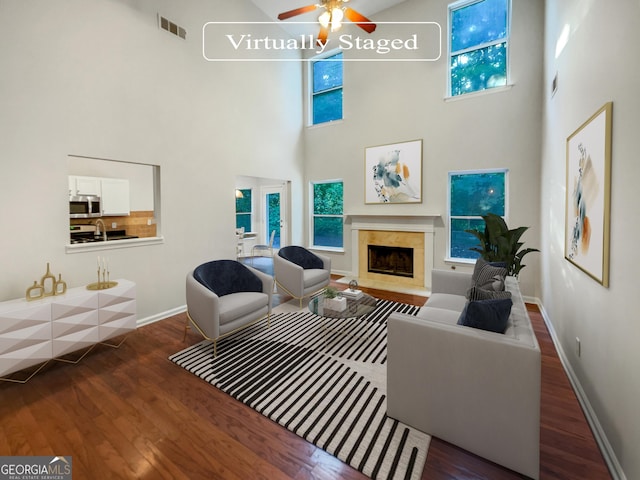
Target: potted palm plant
500 244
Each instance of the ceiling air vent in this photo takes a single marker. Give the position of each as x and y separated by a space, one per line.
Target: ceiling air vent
171 27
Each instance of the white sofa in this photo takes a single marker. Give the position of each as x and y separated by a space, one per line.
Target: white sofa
476 389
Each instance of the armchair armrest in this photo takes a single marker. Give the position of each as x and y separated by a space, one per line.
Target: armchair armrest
203 307
267 282
325 260
289 275
450 281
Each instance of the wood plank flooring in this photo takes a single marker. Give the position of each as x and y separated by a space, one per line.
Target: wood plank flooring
130 413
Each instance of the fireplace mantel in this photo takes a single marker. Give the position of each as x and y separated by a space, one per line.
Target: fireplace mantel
403 223
395 223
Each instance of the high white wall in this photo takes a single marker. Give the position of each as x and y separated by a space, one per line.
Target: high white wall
98 78
387 102
596 66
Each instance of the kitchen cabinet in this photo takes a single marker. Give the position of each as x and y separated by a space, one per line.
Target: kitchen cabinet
84 185
35 332
115 196
113 192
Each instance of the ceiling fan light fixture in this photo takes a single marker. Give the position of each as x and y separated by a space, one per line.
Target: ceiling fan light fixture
336 18
324 19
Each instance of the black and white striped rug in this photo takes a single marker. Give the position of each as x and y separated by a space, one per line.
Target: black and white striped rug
324 380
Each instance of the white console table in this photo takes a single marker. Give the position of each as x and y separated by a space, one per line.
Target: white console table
35 332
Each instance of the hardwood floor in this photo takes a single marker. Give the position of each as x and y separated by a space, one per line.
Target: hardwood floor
131 413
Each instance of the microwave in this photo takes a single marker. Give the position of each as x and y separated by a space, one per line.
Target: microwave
84 206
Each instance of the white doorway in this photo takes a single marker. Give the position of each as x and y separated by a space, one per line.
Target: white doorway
273 201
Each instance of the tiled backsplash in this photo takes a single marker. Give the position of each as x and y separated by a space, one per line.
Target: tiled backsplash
134 224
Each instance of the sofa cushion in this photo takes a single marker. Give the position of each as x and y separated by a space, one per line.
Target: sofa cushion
447 301
491 315
227 276
301 256
489 276
477 293
440 315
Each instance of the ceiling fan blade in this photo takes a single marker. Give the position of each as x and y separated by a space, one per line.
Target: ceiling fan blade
322 36
297 11
360 20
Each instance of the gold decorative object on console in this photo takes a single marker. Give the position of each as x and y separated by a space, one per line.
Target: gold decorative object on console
48 282
47 287
102 283
35 291
60 286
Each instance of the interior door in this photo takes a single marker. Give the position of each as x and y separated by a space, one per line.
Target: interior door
274 215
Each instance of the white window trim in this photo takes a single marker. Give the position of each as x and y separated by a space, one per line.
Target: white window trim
311 245
448 257
507 39
309 96
252 208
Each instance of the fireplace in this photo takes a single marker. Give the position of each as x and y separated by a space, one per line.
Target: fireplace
392 260
391 257
413 232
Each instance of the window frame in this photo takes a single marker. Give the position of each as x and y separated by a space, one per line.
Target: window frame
449 257
310 92
250 212
506 40
312 215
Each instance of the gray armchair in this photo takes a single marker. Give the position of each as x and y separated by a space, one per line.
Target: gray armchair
224 296
301 273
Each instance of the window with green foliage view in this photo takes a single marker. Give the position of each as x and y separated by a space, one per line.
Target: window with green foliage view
478 39
327 218
471 195
326 91
243 209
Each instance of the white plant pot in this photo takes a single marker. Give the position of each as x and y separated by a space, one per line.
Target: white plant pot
337 304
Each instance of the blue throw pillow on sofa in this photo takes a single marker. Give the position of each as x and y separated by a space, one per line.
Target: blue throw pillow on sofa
491 315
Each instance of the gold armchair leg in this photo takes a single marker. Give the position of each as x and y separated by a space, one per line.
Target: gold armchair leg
215 340
186 327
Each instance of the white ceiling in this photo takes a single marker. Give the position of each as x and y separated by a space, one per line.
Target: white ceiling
272 8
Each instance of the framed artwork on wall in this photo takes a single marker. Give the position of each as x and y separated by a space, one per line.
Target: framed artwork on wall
588 193
393 173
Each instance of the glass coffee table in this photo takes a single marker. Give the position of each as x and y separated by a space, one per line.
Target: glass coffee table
355 308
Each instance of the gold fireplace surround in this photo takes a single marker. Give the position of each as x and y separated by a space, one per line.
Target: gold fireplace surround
413 240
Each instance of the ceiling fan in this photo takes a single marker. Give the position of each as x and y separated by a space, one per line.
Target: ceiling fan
331 18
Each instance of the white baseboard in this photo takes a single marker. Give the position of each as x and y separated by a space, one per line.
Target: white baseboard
161 316
615 469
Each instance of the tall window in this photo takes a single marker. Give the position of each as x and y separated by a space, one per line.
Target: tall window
327 219
471 195
479 33
326 89
243 209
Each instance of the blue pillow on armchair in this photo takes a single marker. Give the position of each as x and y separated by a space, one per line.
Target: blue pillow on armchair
301 256
227 276
491 315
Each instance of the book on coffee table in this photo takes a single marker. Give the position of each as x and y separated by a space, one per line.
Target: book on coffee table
354 294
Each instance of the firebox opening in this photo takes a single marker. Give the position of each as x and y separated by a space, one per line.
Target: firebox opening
391 260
